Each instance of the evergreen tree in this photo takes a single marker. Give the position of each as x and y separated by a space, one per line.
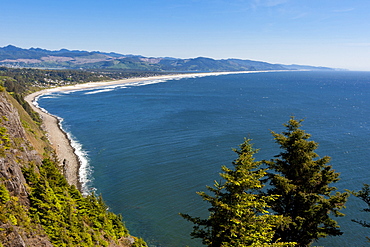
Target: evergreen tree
238 215
302 180
364 194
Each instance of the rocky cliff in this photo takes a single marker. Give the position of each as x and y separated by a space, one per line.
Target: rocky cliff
16 152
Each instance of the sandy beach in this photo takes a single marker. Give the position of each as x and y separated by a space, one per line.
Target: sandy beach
58 138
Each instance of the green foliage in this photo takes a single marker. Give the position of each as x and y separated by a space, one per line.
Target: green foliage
22 81
364 195
27 127
139 242
239 213
5 143
4 194
68 218
303 182
34 115
12 213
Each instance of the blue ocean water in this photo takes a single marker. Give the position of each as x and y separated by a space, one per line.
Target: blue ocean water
151 146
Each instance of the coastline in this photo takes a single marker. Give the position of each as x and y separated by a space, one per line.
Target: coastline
59 139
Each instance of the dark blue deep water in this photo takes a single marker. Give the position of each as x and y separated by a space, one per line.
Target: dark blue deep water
151 147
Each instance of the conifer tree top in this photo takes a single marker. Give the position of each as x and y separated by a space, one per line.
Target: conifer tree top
303 181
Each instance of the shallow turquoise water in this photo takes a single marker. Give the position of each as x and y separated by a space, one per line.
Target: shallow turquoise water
151 147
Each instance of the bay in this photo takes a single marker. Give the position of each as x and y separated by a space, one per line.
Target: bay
151 146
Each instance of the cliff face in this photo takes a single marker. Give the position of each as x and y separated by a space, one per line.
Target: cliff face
20 151
16 152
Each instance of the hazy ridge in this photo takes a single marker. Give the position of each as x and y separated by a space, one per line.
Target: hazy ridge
12 56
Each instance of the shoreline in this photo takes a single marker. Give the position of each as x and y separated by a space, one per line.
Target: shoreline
59 139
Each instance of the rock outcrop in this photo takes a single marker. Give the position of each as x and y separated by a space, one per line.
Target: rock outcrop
16 153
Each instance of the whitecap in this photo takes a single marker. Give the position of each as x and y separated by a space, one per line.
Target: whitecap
85 170
100 91
148 82
36 104
50 97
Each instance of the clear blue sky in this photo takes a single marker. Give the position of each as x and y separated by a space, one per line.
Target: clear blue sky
334 33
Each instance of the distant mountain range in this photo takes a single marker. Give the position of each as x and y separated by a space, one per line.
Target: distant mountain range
12 56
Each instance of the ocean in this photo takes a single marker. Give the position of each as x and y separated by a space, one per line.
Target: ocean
149 147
